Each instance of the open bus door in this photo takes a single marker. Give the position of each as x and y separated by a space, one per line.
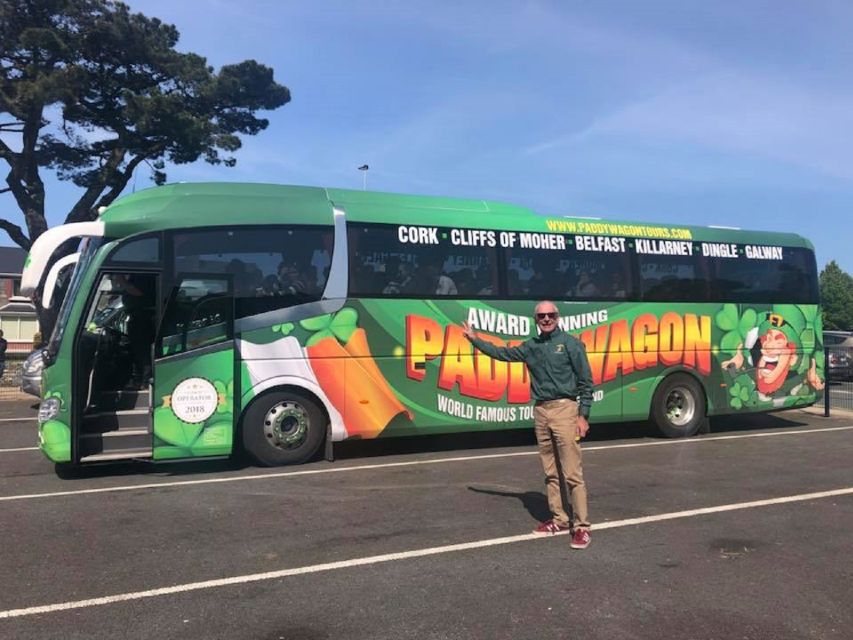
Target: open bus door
113 368
193 392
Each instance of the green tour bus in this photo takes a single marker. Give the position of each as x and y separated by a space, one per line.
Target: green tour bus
202 319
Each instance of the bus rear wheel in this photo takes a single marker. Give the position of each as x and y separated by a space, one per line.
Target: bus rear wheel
678 408
283 427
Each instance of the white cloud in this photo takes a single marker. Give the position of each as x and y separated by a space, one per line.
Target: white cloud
737 112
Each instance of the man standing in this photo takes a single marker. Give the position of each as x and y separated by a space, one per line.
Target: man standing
3 345
561 386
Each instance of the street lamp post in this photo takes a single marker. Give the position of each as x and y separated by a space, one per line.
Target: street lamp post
364 168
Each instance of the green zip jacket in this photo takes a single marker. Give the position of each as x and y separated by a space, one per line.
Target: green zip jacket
557 364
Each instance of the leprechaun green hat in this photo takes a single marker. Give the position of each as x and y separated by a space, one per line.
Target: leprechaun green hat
777 321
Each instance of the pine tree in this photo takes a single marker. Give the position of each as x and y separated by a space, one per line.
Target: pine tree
90 90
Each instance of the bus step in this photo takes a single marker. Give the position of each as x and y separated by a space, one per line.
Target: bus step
114 442
122 400
119 454
116 420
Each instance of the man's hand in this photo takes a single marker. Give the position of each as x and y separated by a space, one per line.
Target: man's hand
583 426
467 331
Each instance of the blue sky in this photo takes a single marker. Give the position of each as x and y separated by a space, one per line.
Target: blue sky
726 113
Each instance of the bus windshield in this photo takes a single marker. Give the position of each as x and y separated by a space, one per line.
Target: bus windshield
87 252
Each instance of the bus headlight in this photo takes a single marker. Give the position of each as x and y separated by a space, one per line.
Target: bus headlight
48 409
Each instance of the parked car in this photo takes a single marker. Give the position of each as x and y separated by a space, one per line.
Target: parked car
113 317
31 373
839 346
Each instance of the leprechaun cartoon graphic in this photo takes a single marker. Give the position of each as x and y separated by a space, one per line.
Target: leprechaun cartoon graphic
783 363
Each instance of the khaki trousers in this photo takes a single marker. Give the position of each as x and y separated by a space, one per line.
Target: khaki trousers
555 423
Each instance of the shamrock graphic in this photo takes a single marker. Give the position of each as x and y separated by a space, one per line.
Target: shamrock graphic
340 325
735 325
742 392
284 328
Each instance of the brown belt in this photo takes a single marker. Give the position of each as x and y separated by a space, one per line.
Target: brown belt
545 403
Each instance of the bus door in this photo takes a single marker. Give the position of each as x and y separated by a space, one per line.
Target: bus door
193 392
113 368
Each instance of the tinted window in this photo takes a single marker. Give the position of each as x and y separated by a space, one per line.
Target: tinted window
767 274
271 267
421 262
140 250
671 270
547 265
198 313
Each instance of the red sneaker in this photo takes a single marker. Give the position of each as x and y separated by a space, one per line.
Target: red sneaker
581 539
549 528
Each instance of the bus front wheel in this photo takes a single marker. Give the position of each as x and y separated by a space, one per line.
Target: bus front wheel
678 408
283 427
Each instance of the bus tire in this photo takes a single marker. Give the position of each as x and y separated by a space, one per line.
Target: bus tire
678 407
283 427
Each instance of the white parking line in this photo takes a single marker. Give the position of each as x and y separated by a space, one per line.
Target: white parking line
32 419
403 555
19 449
410 463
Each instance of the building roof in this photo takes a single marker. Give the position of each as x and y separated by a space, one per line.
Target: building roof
18 306
12 261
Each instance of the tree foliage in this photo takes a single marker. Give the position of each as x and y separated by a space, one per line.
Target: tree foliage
90 90
836 293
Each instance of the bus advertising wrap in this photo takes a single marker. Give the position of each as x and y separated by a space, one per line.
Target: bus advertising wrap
389 367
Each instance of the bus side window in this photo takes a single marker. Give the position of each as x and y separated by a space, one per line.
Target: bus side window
271 267
744 279
198 313
383 266
673 278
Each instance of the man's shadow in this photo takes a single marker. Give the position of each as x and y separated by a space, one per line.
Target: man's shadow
535 502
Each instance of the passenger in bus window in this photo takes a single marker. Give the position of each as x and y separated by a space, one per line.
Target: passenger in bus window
401 280
442 284
445 286
585 287
561 385
464 279
290 282
270 286
309 279
617 287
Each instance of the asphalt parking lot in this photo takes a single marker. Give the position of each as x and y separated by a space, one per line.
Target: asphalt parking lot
740 533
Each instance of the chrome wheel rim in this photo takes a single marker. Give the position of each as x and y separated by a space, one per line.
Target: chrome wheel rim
680 406
286 425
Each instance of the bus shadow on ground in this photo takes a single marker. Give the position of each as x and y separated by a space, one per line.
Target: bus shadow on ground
368 450
142 467
524 437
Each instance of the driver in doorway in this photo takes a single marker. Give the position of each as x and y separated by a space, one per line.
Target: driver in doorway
138 298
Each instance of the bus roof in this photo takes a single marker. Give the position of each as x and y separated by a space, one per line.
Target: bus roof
229 203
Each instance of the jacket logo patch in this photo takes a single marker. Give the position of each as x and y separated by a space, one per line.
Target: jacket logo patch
560 348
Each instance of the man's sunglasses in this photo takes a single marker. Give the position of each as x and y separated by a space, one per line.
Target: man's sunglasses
549 314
